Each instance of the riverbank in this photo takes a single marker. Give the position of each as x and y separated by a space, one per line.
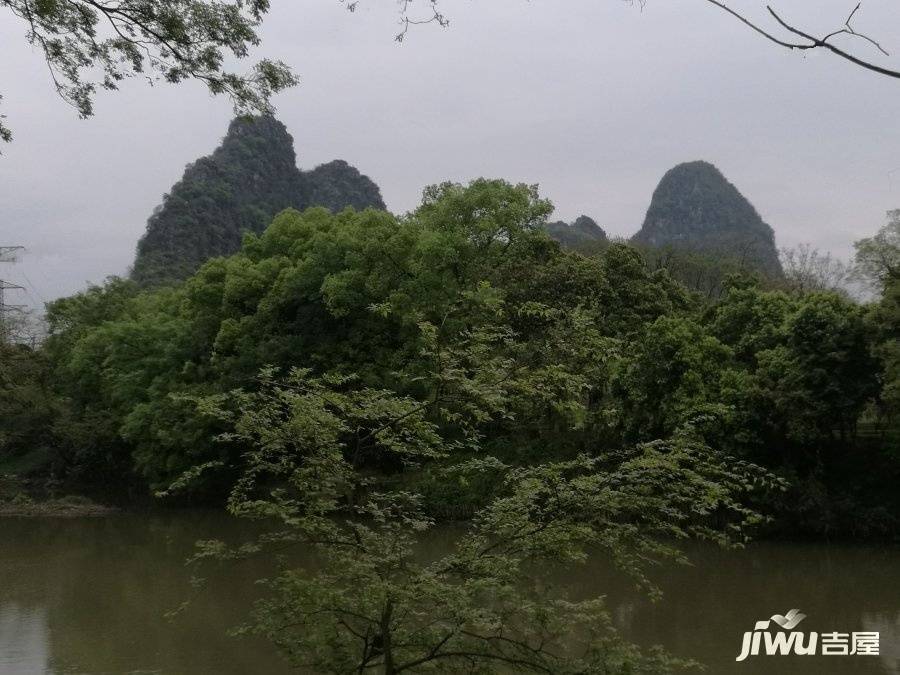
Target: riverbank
18 502
72 506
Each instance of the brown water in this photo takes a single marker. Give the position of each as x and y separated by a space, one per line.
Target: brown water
88 596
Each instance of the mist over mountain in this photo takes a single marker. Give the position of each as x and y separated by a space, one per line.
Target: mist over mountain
694 207
249 178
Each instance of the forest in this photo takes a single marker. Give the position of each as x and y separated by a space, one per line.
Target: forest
359 376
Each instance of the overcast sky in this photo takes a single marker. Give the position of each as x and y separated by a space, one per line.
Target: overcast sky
593 102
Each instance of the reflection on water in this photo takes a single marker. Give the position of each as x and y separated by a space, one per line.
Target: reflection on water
88 596
23 639
887 624
708 606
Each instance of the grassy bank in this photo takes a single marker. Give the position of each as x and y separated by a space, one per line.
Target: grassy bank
16 500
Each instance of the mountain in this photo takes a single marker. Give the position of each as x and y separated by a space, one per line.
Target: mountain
336 185
695 207
249 178
583 233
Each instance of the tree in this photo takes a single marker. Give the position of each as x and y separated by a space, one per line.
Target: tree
807 269
465 314
169 40
455 339
705 273
886 317
791 37
749 319
825 374
796 39
374 605
809 363
878 261
671 375
878 257
21 326
28 407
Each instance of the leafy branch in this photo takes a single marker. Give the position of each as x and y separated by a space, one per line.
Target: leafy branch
95 44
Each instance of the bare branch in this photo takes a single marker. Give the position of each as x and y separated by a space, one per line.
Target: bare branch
820 42
808 42
812 41
754 27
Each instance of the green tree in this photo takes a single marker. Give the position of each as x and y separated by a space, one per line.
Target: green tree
878 257
808 369
511 346
878 261
750 319
887 321
28 404
374 604
91 45
672 374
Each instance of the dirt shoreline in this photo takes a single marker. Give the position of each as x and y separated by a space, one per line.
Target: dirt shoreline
55 508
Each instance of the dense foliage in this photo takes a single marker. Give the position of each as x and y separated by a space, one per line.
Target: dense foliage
694 207
377 604
90 45
878 259
801 382
27 403
249 178
352 377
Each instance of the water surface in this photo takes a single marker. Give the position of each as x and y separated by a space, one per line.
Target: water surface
88 596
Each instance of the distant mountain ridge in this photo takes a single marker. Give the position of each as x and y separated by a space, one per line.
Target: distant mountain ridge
253 175
694 207
581 233
249 178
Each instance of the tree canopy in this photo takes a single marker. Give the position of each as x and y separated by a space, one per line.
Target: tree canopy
878 261
91 45
353 378
606 351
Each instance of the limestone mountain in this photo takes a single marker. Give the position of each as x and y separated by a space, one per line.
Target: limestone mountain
249 178
336 185
694 207
582 234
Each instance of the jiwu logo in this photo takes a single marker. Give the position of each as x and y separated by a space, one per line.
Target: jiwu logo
776 642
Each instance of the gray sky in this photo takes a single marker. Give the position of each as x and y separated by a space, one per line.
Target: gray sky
594 102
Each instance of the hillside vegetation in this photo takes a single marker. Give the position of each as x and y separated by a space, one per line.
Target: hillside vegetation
695 208
249 178
466 304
